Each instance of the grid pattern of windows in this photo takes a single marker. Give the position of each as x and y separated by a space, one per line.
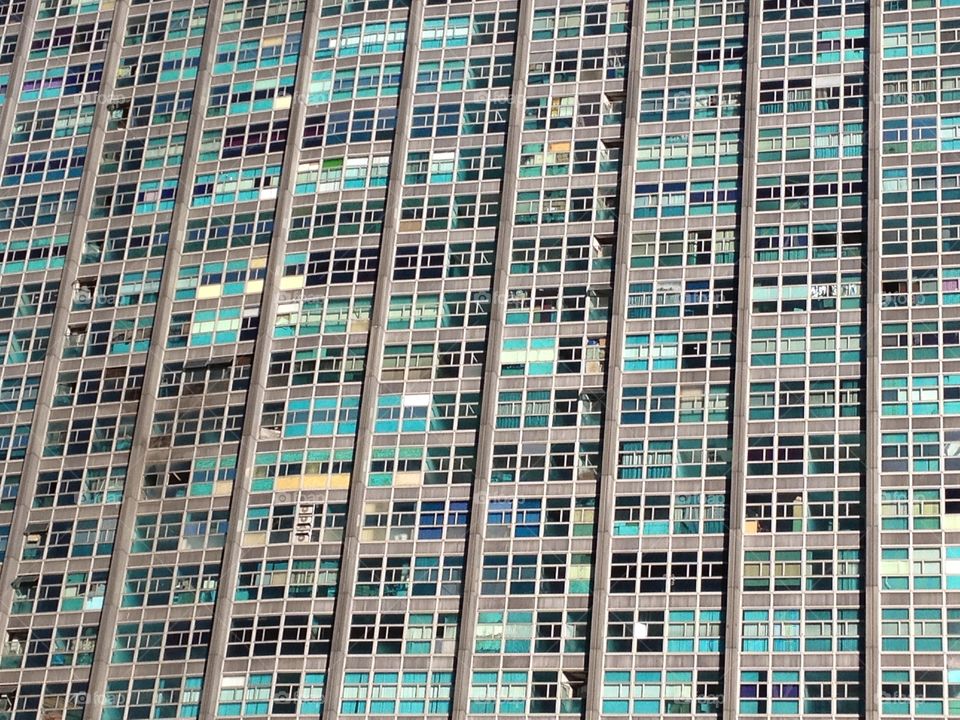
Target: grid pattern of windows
916 427
479 359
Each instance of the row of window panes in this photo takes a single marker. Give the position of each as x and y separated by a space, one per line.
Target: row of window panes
567 66
234 57
162 696
366 81
673 299
165 26
919 451
67 40
781 9
794 401
797 48
919 39
149 642
899 89
804 454
801 96
61 82
392 694
576 20
169 66
683 57
774 243
367 39
683 14
247 14
33 255
67 538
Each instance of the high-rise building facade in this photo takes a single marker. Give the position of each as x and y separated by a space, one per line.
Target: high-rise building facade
379 358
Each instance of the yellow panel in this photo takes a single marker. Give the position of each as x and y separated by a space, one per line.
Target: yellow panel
292 282
254 539
314 482
287 482
373 535
209 291
340 481
408 478
545 355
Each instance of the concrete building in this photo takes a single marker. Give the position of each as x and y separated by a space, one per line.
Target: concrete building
384 358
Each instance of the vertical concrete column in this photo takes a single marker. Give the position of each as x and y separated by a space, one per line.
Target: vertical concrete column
871 506
736 496
383 288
